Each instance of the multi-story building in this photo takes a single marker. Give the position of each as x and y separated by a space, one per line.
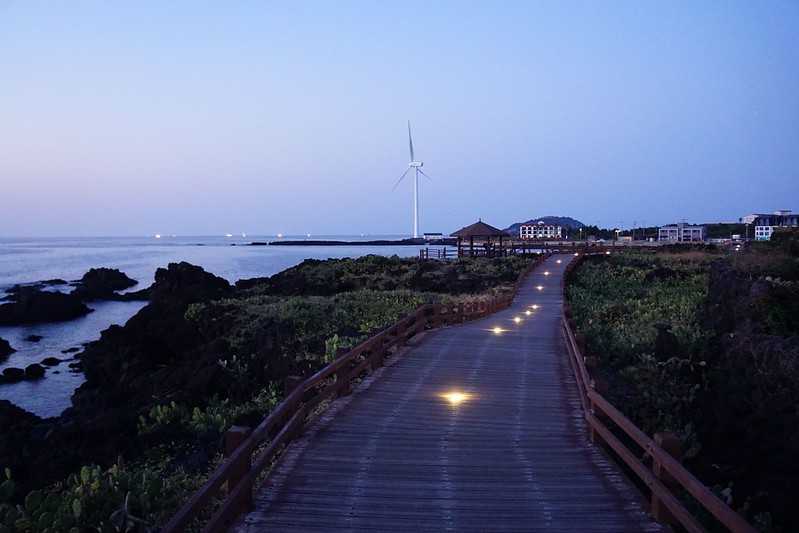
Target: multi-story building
682 232
539 230
765 224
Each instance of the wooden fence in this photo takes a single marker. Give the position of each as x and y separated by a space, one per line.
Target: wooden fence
666 477
235 479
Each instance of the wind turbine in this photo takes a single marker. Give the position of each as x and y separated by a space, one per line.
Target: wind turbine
417 167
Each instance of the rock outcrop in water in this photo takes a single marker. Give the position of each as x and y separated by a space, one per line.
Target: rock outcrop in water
5 349
158 354
31 305
102 284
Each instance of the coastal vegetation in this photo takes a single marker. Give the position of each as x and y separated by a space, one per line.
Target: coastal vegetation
146 427
705 344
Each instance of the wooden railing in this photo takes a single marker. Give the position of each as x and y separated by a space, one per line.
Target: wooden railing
438 253
667 476
235 479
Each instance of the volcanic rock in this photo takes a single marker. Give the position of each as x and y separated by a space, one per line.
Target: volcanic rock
12 375
5 349
101 283
32 306
34 371
33 338
51 361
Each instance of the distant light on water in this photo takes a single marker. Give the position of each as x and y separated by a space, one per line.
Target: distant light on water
279 235
157 235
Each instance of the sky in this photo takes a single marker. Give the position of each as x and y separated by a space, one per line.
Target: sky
202 118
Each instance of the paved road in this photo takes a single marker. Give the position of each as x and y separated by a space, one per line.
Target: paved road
507 452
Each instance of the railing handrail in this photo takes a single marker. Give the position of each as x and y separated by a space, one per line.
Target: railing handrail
596 405
291 412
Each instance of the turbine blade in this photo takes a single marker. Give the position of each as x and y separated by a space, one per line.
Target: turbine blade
400 179
425 175
410 140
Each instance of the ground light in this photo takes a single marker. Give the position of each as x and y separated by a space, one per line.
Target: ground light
540 287
455 397
546 273
517 319
558 261
534 306
576 254
528 312
607 253
497 330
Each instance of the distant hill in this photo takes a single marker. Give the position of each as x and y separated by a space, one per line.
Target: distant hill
564 222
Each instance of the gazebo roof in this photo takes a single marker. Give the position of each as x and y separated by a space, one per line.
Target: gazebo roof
478 229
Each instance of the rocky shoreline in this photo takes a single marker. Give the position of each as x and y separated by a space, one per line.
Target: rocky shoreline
38 303
201 338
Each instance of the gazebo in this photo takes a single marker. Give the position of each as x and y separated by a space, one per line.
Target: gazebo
484 235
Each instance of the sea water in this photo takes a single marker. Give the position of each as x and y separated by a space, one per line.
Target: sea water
26 260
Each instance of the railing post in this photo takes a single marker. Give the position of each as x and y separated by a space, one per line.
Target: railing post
671 444
344 388
233 439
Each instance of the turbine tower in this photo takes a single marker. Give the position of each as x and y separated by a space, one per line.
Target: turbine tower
417 168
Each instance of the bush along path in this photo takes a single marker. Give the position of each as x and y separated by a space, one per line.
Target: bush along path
705 345
145 429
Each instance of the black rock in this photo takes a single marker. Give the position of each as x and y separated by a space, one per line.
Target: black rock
34 371
51 361
33 338
101 283
71 350
186 283
32 306
5 349
13 375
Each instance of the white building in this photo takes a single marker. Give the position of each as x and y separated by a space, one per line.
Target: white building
681 232
539 230
766 223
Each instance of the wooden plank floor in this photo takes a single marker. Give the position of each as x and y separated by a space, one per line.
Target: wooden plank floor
514 456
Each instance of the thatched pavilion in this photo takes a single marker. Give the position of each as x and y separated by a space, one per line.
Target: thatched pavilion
487 237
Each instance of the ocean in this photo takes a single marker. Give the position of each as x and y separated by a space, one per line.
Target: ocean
26 260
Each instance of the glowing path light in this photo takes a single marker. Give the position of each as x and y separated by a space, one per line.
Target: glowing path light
607 253
546 273
576 254
497 330
534 306
528 312
455 398
517 319
558 261
540 287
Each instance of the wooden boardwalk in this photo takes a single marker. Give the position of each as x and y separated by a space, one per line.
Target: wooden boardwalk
513 455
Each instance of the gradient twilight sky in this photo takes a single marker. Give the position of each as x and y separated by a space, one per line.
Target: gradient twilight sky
211 117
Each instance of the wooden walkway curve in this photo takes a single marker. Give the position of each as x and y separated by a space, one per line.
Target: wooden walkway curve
512 456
